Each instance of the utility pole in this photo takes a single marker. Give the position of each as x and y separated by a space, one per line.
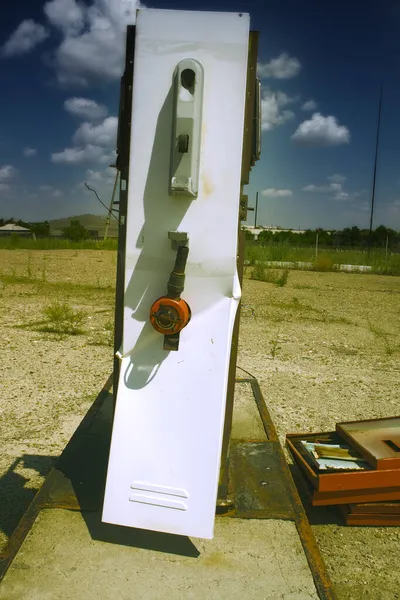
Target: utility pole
374 179
255 213
108 219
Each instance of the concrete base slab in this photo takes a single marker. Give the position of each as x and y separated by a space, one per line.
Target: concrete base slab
61 550
60 560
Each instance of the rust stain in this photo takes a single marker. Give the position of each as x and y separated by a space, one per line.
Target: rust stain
208 185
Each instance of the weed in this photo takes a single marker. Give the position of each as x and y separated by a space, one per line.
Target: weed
29 268
274 348
282 280
254 252
324 263
16 242
61 318
381 334
275 345
261 273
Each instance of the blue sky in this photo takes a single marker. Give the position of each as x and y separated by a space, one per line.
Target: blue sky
321 65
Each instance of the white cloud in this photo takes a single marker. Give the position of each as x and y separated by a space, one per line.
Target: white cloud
27 35
321 131
337 178
93 143
7 172
93 38
335 187
85 108
321 189
274 193
309 105
325 189
4 187
75 156
272 104
282 67
103 134
67 15
105 177
49 189
29 152
341 196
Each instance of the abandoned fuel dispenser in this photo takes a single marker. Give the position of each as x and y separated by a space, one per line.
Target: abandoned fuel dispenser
189 133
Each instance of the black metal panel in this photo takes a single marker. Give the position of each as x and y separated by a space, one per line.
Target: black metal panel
260 490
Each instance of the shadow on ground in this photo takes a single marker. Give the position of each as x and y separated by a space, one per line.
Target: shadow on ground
15 497
317 515
80 476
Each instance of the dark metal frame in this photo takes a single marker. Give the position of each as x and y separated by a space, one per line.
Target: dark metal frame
249 156
123 158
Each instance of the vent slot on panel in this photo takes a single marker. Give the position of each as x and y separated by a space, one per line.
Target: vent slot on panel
158 495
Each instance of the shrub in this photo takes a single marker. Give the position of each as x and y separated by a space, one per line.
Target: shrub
63 319
260 273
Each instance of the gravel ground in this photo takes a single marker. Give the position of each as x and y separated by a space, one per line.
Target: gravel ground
325 348
47 380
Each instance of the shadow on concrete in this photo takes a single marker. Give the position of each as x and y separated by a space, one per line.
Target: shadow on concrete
79 481
317 515
15 497
139 538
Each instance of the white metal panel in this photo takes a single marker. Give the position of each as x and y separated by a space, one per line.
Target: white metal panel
167 433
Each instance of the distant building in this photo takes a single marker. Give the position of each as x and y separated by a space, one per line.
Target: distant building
11 229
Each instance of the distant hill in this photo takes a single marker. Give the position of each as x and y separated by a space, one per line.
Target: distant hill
90 222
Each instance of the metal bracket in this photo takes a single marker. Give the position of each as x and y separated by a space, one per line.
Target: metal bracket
178 238
244 207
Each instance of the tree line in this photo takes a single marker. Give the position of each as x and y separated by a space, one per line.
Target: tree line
349 236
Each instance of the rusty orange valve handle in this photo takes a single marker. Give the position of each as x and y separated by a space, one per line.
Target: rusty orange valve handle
169 315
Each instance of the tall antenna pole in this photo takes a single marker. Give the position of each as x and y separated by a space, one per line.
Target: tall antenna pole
255 212
375 163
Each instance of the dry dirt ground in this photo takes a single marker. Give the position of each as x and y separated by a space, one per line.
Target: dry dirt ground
325 348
